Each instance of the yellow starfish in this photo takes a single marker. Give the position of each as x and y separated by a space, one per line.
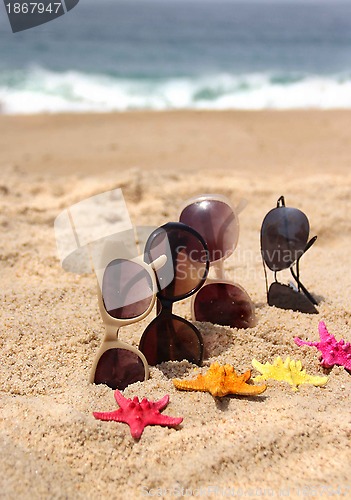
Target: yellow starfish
289 371
221 380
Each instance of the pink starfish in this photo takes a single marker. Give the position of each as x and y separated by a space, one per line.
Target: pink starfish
139 414
333 352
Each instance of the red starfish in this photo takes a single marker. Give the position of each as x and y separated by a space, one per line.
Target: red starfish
139 414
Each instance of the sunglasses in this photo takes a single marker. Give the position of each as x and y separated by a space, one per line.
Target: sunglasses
169 337
284 240
126 295
220 301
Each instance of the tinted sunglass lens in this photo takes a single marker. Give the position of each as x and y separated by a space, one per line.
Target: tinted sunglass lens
187 259
127 289
285 297
171 339
284 235
217 224
224 304
118 368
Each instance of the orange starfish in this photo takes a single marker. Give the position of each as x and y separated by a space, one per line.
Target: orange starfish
221 380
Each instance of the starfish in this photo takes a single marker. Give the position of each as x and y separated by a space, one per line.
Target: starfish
333 352
289 371
221 380
139 414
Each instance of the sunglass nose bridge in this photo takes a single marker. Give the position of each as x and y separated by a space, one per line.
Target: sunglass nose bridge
159 262
217 270
241 205
281 202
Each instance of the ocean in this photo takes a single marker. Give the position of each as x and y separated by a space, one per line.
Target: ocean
108 55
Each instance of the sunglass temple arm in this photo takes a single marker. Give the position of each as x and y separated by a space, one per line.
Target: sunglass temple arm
297 275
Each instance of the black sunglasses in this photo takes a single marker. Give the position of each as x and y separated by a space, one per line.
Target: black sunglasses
169 337
284 240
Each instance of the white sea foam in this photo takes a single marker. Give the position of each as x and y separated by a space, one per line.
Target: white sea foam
38 90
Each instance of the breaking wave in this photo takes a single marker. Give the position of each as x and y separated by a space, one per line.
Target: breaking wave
38 90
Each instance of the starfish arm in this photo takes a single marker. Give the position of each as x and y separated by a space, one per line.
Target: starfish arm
137 428
315 380
162 403
329 359
324 335
120 399
267 370
246 389
116 415
256 364
301 342
218 391
199 384
325 363
165 420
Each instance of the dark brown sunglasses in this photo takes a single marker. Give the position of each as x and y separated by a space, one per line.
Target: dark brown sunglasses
220 300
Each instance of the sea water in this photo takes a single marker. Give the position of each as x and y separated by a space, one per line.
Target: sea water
107 55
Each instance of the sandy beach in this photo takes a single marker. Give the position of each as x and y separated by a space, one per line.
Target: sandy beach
282 443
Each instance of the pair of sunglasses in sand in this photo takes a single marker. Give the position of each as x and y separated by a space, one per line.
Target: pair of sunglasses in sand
284 240
220 300
127 293
90 235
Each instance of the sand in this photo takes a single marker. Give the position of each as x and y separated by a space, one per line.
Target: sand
282 443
